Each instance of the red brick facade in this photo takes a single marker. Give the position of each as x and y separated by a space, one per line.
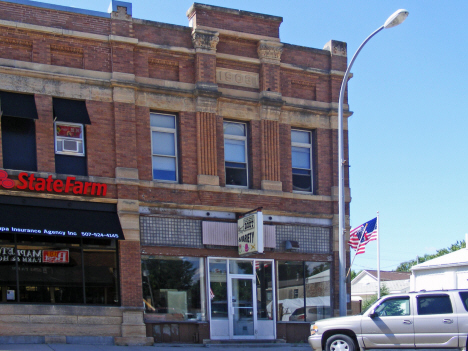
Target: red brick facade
126 68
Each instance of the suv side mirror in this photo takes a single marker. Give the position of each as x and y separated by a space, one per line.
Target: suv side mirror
373 314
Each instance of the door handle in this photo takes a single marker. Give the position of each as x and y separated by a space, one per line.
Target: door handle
407 322
448 321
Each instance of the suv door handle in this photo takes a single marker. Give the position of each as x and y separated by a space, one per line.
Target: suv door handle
406 322
448 321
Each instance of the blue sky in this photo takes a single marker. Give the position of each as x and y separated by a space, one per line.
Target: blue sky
408 134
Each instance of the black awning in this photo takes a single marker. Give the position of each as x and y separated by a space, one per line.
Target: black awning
33 219
18 105
72 111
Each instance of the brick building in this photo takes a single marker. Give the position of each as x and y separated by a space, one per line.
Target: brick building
129 148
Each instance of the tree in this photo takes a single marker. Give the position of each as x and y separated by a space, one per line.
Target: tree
406 266
370 301
354 274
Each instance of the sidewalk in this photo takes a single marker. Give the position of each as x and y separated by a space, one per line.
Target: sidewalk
156 347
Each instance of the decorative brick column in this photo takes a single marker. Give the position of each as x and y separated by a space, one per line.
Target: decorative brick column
269 53
206 142
206 93
126 171
45 138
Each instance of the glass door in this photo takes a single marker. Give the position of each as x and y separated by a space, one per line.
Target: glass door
241 299
242 307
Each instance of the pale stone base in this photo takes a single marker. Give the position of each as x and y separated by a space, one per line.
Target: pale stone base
203 179
134 341
272 185
126 173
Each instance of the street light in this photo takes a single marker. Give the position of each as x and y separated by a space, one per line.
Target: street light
394 20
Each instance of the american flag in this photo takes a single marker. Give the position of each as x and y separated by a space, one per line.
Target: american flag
360 236
211 294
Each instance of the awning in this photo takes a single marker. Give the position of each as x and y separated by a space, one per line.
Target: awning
72 111
59 218
18 105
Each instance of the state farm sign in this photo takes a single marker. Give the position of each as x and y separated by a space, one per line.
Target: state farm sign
69 186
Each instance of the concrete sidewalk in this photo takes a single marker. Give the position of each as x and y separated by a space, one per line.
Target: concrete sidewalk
155 347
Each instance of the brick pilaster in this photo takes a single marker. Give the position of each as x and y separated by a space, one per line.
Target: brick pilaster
130 273
206 144
269 53
45 148
205 43
338 62
270 150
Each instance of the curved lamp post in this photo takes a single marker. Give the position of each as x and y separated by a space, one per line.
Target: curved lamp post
394 20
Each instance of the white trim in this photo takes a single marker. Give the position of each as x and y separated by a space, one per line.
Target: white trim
167 131
246 153
311 169
62 138
229 277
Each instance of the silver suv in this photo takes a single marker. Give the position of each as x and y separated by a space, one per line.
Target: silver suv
425 319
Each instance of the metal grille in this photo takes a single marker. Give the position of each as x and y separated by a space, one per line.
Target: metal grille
165 231
310 239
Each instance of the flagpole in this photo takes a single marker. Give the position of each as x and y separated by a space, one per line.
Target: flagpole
357 250
378 256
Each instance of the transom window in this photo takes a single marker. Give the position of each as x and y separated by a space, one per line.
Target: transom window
164 146
301 154
235 153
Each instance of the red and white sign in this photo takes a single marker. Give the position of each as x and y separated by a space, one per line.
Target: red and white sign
69 131
55 256
69 186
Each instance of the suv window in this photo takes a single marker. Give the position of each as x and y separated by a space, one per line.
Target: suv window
399 306
434 304
464 298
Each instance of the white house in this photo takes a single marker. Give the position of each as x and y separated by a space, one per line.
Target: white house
365 283
364 286
445 272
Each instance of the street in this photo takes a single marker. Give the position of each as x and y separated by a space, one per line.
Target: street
159 347
168 347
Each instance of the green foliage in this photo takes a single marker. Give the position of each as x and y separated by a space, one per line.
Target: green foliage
370 301
406 266
354 274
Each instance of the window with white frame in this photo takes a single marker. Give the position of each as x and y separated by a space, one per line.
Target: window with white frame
301 155
69 139
164 146
235 153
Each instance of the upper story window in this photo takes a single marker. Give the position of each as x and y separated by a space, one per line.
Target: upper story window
70 118
18 113
164 147
235 153
69 139
301 154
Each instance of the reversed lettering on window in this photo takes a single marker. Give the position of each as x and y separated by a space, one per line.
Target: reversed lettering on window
239 78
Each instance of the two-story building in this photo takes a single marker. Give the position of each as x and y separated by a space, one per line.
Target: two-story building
129 148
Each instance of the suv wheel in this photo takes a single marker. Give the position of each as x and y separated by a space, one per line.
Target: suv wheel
340 342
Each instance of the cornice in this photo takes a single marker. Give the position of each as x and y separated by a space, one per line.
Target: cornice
134 41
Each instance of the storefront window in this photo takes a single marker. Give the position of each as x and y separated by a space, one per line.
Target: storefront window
218 288
263 273
173 288
303 291
58 271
